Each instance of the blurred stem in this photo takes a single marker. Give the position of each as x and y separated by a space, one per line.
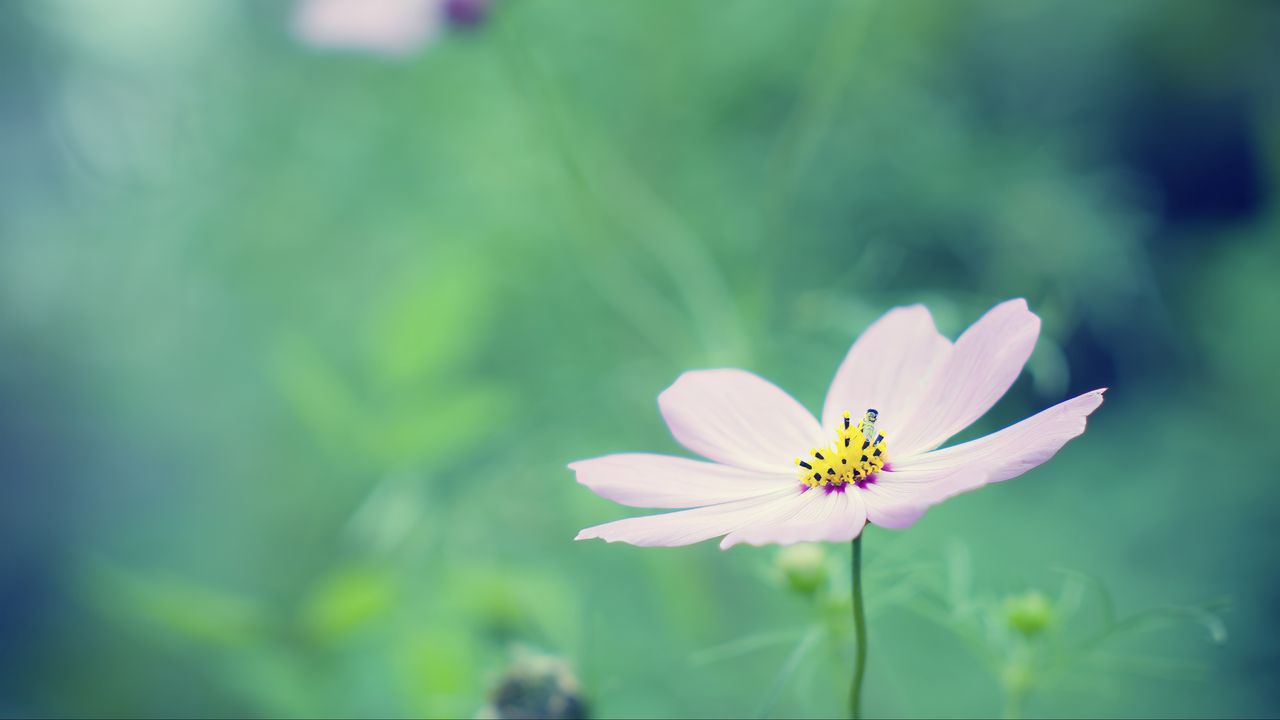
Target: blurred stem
859 633
622 204
815 109
788 669
1013 699
628 292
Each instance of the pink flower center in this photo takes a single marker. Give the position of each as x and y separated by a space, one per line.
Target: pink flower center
856 456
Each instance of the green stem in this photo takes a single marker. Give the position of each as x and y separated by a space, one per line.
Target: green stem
859 633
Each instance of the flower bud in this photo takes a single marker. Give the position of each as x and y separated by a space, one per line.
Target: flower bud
804 567
1028 613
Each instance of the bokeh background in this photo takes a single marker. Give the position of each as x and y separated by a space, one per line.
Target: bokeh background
297 340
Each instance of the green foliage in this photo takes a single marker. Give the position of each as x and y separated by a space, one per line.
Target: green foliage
298 344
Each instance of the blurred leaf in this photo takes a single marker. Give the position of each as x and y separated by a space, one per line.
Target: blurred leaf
170 607
507 604
277 682
438 423
429 324
347 600
740 646
436 670
322 399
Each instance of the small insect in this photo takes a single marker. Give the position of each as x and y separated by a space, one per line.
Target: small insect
868 427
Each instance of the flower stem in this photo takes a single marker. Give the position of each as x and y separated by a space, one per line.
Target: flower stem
859 633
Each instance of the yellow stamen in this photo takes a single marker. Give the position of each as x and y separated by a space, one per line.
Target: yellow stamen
847 461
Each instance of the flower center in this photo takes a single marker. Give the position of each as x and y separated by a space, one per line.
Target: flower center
857 455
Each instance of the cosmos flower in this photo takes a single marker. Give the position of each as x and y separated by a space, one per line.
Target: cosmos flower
777 475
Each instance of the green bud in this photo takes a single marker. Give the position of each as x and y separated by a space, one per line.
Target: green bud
1028 613
804 566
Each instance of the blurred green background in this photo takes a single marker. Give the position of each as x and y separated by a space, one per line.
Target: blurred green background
297 343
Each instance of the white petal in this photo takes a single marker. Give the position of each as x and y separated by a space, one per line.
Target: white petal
898 499
686 527
662 481
982 365
393 27
888 368
1016 449
739 419
835 516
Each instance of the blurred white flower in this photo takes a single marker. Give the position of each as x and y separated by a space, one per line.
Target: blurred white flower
388 27
383 27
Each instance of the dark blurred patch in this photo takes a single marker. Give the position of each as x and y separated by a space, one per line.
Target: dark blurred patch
1199 152
1190 120
537 687
38 518
1091 359
29 597
26 135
